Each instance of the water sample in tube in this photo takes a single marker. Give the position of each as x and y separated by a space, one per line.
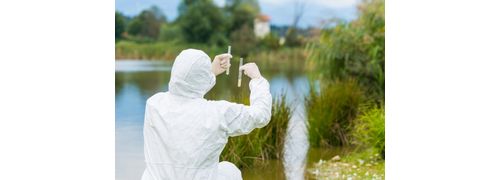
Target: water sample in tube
229 52
240 71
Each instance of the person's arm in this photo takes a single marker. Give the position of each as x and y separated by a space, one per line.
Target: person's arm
239 119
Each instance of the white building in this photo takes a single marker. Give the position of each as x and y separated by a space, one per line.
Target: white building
262 26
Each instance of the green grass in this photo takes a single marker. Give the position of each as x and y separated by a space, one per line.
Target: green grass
159 50
369 128
284 58
261 144
331 113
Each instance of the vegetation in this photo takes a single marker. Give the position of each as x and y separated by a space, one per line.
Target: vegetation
355 49
359 165
331 113
159 50
261 144
201 21
200 24
347 108
369 128
119 25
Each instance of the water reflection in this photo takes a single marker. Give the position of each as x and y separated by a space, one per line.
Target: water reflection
134 85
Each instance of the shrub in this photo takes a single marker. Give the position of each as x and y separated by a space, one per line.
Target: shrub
369 128
355 49
331 113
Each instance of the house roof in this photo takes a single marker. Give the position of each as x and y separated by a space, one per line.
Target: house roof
263 18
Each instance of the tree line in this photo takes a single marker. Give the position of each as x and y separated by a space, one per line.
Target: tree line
201 21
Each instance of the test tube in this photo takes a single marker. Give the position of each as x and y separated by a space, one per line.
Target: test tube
229 52
240 71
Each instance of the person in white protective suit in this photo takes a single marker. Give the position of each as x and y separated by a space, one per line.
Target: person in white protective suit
184 134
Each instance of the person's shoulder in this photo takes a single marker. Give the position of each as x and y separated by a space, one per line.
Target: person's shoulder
155 98
218 102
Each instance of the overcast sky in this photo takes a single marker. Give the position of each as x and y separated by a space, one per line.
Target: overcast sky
280 11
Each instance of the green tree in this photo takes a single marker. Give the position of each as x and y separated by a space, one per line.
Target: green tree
243 40
119 25
355 49
242 12
170 32
148 23
201 21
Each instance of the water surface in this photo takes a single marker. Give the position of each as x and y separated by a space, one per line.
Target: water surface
135 81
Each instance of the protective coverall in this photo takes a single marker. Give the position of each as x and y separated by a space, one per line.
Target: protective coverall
184 134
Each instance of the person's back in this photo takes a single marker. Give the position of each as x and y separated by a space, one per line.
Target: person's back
184 134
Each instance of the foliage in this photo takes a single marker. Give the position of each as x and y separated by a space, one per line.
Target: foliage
293 38
331 113
147 24
261 144
171 32
159 50
243 40
270 41
355 49
370 128
292 59
119 25
242 12
201 21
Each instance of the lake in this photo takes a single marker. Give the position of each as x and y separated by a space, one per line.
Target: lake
136 81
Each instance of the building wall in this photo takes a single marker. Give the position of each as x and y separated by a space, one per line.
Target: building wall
261 29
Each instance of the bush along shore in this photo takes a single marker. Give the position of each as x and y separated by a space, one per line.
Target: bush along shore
347 108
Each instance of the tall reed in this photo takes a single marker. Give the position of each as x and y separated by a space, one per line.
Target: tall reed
261 144
331 113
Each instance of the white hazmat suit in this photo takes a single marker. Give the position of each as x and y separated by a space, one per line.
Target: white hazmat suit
184 134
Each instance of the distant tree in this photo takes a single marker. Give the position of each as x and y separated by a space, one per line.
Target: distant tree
243 40
293 37
201 21
242 12
270 41
119 25
170 32
148 23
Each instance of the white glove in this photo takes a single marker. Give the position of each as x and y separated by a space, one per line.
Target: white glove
220 63
251 70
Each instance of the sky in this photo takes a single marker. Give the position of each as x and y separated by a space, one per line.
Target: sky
280 11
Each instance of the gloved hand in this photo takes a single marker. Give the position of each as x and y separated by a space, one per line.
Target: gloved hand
251 70
220 63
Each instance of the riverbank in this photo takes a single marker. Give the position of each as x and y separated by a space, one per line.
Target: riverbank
279 59
360 165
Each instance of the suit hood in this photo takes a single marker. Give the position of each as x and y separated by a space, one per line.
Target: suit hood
191 74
